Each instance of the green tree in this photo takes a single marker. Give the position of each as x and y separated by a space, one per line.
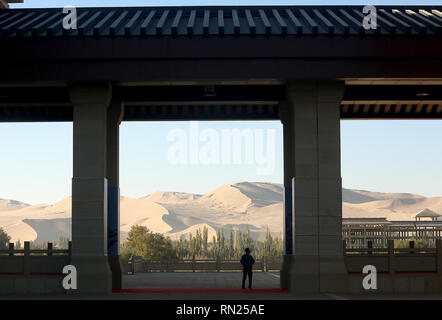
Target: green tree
125 252
418 243
38 245
214 252
150 246
63 243
268 244
222 244
239 245
247 241
4 239
227 248
231 248
205 240
193 246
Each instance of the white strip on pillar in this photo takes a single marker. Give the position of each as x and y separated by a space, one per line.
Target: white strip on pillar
286 116
89 186
114 118
317 203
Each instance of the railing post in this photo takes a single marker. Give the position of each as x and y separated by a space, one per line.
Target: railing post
439 256
133 264
27 259
11 249
391 256
49 248
70 248
370 247
193 263
344 246
411 246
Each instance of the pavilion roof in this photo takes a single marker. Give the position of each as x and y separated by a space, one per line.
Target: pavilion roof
427 213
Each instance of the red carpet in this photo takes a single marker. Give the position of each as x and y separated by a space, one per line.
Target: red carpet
200 291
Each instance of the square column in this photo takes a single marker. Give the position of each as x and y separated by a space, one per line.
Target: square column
114 118
286 116
90 187
317 202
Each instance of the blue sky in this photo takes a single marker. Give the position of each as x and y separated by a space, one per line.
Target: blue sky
377 155
387 156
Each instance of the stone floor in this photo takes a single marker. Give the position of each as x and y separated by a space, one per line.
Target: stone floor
227 286
199 280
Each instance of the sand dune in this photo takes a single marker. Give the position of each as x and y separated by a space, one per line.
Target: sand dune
257 205
362 196
211 232
227 198
9 205
56 228
392 209
20 231
172 197
143 212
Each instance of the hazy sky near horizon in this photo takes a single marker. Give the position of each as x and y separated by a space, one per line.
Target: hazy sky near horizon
384 156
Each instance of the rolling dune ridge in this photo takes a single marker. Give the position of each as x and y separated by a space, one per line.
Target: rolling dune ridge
178 214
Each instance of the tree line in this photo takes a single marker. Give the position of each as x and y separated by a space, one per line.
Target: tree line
4 240
62 243
154 246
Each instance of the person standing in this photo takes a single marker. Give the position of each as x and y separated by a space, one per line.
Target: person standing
247 262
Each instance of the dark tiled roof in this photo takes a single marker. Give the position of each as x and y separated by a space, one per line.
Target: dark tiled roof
218 21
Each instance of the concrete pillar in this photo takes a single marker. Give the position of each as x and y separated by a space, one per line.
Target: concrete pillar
89 187
317 202
286 116
114 118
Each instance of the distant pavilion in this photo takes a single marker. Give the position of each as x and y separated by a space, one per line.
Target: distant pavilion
427 213
357 232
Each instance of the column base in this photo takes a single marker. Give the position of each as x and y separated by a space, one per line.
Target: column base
287 265
318 274
117 272
333 274
304 275
93 275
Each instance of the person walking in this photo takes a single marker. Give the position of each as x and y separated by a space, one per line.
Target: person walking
247 262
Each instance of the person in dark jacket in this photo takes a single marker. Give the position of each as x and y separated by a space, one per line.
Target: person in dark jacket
247 262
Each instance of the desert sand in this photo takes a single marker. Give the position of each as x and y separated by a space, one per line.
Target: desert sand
177 214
